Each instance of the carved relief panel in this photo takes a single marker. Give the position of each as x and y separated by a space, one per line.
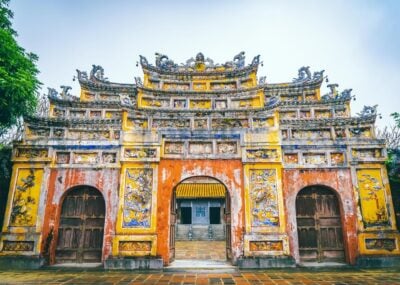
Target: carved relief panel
200 123
230 123
372 198
360 132
200 148
30 153
140 153
314 158
137 123
33 132
288 115
291 158
223 86
173 147
322 114
311 134
263 198
137 199
267 245
165 123
367 153
77 113
262 154
26 197
221 104
179 104
62 157
337 158
226 148
200 104
88 135
85 158
263 122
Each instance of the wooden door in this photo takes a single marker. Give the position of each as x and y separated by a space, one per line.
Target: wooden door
228 226
81 230
172 228
319 225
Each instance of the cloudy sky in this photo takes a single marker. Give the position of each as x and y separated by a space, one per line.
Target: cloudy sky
357 42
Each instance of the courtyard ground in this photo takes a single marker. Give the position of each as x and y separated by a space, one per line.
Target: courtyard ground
283 276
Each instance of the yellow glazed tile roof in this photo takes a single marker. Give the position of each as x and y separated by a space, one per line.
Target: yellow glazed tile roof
200 190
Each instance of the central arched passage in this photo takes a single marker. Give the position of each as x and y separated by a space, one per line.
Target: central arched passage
200 225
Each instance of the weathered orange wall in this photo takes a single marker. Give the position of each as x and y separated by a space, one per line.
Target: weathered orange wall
337 179
61 180
171 172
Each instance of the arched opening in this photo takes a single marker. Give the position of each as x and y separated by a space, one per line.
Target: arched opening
81 227
200 227
319 225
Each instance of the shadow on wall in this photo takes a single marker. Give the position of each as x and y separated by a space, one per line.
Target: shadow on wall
5 177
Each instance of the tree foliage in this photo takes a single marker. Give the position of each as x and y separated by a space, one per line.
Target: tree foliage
18 74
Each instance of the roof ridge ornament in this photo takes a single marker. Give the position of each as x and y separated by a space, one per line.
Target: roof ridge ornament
200 62
334 94
97 73
304 74
239 60
368 111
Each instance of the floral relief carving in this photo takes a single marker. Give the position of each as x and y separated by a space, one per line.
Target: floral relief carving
9 245
135 246
372 197
24 207
266 245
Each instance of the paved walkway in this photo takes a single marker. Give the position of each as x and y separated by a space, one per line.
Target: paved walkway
205 250
287 276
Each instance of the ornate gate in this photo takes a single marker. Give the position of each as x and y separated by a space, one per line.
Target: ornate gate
81 229
319 225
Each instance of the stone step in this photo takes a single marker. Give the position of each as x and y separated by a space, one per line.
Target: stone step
204 266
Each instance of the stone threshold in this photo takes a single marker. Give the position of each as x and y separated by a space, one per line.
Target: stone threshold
196 265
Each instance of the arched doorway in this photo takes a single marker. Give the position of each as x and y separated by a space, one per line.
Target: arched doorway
81 228
200 220
319 225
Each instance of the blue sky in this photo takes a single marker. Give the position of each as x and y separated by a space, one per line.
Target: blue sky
356 42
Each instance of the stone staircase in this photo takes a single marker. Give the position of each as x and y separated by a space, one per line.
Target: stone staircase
200 232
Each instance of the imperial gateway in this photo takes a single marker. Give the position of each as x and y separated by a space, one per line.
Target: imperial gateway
278 173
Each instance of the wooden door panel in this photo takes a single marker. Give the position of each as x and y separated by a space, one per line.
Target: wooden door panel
81 229
319 225
228 226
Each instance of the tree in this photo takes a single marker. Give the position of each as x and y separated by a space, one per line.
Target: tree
392 137
18 74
